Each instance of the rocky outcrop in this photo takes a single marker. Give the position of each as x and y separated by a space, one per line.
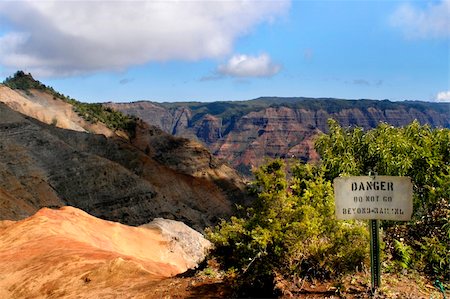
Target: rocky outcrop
191 158
42 165
67 253
191 246
245 133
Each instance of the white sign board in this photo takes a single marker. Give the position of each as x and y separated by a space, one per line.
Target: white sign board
378 197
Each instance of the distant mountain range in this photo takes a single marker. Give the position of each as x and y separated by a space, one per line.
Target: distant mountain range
244 133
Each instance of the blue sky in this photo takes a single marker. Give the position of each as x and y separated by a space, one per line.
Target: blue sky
124 51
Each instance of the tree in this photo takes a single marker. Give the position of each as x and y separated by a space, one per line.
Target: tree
419 152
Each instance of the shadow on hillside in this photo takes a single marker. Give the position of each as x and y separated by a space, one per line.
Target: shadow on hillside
210 290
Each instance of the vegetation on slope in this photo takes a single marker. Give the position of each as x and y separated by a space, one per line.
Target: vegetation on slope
291 231
91 112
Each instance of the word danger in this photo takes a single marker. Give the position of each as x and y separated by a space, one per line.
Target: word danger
373 185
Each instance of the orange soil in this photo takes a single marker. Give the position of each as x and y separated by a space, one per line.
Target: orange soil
68 253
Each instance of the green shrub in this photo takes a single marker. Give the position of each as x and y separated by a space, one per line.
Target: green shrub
290 230
434 256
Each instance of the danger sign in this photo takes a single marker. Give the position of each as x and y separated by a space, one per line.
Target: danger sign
377 197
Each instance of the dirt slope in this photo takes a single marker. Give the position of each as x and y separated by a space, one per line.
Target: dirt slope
67 253
48 109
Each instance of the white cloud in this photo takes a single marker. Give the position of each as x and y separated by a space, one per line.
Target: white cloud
75 37
443 96
432 21
249 66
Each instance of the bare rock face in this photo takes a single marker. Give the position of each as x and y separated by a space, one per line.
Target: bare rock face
190 244
210 129
42 165
68 253
245 133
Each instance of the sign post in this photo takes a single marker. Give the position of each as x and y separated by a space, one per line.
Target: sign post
375 268
373 198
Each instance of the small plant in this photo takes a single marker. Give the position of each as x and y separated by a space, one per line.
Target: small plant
434 257
402 254
209 272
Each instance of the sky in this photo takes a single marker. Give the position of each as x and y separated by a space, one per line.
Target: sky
221 50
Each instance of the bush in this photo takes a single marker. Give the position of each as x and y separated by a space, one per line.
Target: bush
290 230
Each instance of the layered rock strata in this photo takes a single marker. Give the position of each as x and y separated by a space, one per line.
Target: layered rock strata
111 178
245 133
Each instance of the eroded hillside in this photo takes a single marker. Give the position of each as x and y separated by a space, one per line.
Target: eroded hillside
123 176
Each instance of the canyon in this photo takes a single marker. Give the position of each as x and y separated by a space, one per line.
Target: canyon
246 133
88 210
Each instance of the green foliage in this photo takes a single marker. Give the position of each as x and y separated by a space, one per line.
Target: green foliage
290 230
416 151
93 113
420 152
435 257
402 254
113 119
21 80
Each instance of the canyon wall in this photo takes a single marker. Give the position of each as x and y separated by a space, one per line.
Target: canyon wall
245 133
